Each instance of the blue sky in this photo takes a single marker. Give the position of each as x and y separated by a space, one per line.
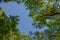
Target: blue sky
25 23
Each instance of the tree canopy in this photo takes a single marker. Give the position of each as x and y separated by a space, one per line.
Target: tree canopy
45 13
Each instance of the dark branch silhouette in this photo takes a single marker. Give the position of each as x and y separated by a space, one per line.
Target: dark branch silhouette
52 14
56 13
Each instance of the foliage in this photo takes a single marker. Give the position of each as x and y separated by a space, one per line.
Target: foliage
8 26
45 13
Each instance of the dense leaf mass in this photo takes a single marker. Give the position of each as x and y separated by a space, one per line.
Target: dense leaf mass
45 13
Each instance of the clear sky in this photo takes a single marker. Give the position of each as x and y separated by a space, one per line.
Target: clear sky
25 23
